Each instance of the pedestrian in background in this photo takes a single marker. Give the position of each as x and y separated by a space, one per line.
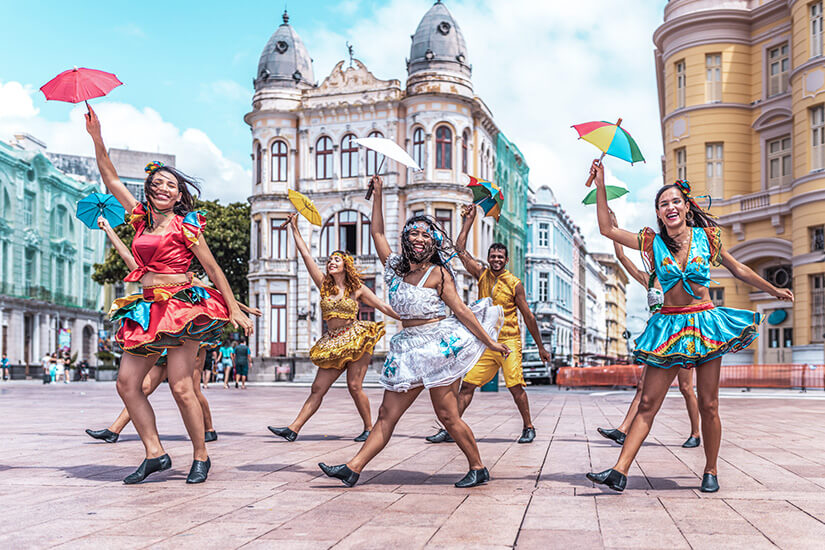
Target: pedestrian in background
46 363
241 356
226 362
208 361
4 367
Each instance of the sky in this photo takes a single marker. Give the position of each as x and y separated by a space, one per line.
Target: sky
187 66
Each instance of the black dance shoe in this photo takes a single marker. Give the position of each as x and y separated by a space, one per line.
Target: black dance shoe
199 470
709 484
104 435
210 436
286 433
692 442
613 479
363 437
441 437
148 466
341 472
615 435
473 478
527 435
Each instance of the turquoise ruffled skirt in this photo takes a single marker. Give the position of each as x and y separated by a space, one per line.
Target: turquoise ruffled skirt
689 336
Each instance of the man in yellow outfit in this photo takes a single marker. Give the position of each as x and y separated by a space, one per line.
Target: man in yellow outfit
506 291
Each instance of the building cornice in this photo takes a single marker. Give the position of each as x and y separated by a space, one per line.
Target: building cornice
703 106
817 61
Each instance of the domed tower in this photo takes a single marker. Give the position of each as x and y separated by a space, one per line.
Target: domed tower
284 69
438 55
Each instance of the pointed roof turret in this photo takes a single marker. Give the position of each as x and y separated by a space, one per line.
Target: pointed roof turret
285 61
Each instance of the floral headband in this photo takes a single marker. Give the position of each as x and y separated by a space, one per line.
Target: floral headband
684 187
421 225
153 167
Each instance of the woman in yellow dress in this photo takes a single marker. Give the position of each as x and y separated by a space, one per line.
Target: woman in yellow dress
348 342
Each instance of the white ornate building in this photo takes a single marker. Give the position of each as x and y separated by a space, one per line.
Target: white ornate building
302 139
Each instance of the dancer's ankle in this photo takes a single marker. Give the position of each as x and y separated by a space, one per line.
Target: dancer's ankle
354 468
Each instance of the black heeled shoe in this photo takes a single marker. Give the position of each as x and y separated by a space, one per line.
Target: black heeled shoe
341 472
692 442
473 478
286 433
527 435
442 436
709 484
363 437
614 435
148 466
104 435
199 471
613 479
211 435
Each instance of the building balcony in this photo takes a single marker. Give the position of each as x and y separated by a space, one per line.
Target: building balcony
752 202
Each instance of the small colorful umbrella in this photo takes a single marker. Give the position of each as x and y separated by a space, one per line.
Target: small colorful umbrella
613 192
487 195
305 207
76 85
611 139
90 208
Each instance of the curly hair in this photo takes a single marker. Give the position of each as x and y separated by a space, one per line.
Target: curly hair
443 247
699 217
187 185
352 277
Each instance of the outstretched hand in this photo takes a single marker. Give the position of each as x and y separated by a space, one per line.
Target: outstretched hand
783 294
241 321
376 182
468 212
102 223
544 354
92 124
292 220
597 172
500 348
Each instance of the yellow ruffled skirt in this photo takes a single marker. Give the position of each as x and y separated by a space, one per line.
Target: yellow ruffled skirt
338 347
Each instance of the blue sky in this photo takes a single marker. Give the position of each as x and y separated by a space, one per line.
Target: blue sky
188 68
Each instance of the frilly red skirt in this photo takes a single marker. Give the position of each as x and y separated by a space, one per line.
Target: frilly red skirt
165 316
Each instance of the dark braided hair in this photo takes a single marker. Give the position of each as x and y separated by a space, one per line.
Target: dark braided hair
187 199
700 218
443 248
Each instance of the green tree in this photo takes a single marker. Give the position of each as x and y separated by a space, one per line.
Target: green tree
226 232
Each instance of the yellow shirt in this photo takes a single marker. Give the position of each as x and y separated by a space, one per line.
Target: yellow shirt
502 290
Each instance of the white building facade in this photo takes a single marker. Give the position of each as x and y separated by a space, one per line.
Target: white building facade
302 139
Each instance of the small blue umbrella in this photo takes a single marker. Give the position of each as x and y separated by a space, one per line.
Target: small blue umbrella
90 208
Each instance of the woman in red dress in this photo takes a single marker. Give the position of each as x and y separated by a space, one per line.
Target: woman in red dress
170 314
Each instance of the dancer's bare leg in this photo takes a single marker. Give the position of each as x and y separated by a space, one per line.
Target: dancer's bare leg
180 369
707 384
692 404
657 382
522 403
465 395
197 375
320 386
445 404
634 405
153 379
356 371
392 407
133 370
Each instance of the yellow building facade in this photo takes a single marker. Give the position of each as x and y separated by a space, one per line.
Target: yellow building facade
615 302
742 103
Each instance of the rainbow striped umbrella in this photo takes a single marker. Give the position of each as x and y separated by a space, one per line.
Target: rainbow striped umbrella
487 195
611 139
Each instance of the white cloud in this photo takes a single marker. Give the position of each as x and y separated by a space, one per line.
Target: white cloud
224 90
125 126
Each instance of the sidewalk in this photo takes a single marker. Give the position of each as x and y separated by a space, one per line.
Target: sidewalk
59 487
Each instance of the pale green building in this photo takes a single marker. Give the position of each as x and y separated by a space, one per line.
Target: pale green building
512 176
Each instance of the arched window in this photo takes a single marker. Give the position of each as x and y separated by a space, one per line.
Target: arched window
6 206
465 145
444 148
347 230
323 158
418 147
259 167
374 160
349 157
279 160
59 227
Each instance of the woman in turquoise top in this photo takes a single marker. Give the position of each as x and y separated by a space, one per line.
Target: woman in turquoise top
688 331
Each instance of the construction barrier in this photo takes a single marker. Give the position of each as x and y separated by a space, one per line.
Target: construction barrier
731 376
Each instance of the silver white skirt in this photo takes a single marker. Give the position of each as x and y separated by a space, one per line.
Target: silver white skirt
438 354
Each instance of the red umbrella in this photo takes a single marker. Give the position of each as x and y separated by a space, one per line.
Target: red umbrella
76 85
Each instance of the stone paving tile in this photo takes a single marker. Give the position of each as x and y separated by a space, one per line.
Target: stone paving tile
266 493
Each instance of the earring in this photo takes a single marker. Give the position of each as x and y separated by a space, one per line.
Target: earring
689 216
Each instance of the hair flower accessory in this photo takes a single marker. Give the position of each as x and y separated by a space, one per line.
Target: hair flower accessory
153 167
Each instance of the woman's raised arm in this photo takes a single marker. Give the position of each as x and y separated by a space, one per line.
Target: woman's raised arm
314 271
104 164
377 221
606 226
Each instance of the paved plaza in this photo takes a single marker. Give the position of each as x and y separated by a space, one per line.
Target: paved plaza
60 488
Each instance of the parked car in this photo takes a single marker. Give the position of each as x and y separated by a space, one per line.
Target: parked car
535 371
